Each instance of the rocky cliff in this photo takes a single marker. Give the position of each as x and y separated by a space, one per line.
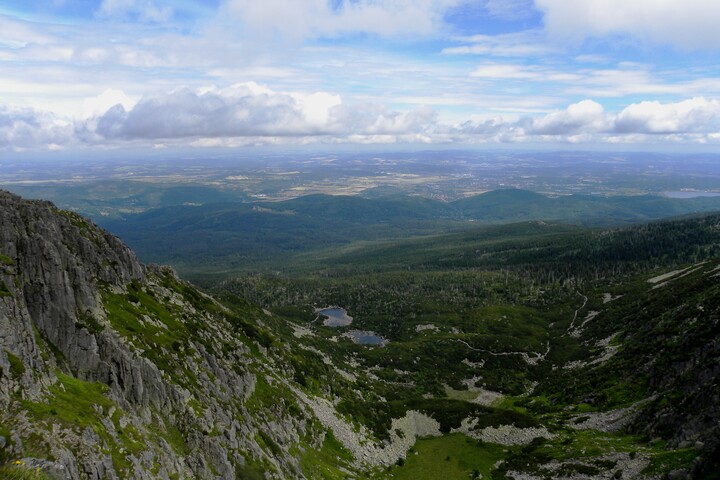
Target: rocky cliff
110 369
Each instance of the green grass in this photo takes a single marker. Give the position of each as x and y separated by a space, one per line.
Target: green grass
588 443
18 470
5 260
511 403
327 462
172 436
449 457
583 451
197 406
72 403
465 395
266 396
79 222
87 321
668 460
4 290
125 313
17 367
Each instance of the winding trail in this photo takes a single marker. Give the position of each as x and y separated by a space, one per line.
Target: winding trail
531 358
572 324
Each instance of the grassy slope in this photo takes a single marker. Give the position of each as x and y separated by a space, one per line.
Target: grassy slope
451 457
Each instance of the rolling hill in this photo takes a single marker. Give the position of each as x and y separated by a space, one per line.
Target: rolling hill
226 237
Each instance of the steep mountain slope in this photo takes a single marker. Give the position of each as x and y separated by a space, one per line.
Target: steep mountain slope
640 357
657 343
110 369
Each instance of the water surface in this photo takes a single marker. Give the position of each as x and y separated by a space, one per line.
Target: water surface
683 194
335 317
366 337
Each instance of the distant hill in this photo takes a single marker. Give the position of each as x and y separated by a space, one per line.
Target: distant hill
535 247
505 205
239 234
511 205
234 236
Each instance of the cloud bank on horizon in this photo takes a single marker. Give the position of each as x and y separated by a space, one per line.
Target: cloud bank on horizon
191 73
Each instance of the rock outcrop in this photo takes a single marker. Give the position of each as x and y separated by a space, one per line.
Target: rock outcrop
110 369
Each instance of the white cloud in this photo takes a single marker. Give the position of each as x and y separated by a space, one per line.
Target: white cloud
96 106
617 82
519 44
690 24
693 115
692 120
16 33
509 9
487 127
377 120
581 121
499 71
241 110
627 79
22 128
317 106
251 114
583 117
248 110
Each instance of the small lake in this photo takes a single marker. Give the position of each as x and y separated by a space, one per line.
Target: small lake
335 316
364 337
690 194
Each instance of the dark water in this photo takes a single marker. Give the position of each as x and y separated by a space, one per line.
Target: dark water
366 337
335 317
684 195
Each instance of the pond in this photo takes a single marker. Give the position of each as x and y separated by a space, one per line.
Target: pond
366 337
334 316
683 194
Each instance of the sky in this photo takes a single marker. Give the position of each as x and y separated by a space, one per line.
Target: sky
154 74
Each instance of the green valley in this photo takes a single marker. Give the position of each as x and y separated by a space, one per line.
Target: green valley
531 350
540 327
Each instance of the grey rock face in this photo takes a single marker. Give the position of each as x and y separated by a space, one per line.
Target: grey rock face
57 258
184 417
